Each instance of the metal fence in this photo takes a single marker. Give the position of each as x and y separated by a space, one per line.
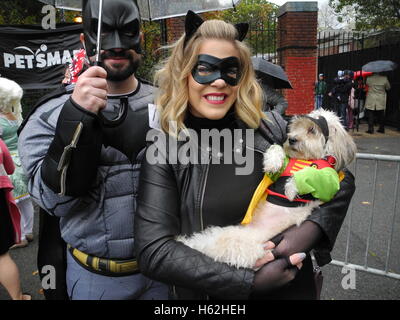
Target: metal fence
370 240
263 38
341 50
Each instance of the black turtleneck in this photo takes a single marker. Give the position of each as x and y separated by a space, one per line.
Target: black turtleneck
227 195
227 122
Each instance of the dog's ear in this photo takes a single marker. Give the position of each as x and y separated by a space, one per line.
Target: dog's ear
340 144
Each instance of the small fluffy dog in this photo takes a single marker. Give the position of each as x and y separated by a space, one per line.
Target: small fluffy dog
304 174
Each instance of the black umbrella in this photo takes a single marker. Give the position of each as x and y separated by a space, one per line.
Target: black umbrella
379 66
271 74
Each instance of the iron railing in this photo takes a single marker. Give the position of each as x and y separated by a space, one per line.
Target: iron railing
392 180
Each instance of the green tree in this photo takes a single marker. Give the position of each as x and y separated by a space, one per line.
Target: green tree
254 12
20 12
261 15
28 12
370 14
150 46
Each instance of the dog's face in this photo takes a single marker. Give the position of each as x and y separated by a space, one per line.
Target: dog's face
306 139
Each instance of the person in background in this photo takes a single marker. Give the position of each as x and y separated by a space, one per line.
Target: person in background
10 231
320 89
360 94
10 120
341 93
375 103
274 100
348 76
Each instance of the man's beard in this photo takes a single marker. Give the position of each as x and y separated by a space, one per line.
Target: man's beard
117 73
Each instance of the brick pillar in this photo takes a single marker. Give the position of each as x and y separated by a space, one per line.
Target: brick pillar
175 28
297 47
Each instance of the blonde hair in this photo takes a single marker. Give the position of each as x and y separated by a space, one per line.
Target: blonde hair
10 97
172 79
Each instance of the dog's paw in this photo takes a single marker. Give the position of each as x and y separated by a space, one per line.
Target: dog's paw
291 191
274 158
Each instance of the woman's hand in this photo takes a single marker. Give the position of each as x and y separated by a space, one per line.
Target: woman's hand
268 257
276 274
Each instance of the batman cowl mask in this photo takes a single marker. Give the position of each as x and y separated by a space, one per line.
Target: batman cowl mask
120 28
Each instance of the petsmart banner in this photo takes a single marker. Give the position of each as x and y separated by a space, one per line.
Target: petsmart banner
36 58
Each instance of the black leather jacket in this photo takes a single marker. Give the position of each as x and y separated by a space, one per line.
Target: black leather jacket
170 202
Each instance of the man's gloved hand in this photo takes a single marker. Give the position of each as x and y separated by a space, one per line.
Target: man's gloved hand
276 274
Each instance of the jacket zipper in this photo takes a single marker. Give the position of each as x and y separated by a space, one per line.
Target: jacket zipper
200 211
203 193
202 200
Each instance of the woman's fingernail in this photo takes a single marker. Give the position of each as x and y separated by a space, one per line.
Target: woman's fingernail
268 245
302 256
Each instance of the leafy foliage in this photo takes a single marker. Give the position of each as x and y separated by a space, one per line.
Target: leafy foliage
261 15
150 46
370 14
20 12
28 12
254 12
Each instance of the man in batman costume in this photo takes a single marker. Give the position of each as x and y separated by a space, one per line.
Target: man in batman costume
84 185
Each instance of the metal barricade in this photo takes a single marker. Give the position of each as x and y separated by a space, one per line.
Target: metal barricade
392 178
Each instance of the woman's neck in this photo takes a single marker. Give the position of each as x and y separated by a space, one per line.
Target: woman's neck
196 123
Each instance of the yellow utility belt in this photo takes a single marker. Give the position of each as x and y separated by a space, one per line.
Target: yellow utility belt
103 266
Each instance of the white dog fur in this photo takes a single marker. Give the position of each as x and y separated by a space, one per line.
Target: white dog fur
10 97
243 245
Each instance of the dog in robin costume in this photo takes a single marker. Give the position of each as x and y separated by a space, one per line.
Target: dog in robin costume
299 176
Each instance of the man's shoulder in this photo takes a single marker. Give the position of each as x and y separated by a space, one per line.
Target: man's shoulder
146 86
59 94
143 97
50 102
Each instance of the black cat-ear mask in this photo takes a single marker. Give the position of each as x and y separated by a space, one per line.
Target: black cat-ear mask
194 21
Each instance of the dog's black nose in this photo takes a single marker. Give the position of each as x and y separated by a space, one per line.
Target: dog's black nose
292 141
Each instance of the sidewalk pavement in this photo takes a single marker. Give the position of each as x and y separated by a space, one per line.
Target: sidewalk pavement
363 127
387 143
369 286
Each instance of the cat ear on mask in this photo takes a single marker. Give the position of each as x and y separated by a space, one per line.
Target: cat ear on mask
242 29
192 23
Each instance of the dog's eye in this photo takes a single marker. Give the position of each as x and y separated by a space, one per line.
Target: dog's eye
311 130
